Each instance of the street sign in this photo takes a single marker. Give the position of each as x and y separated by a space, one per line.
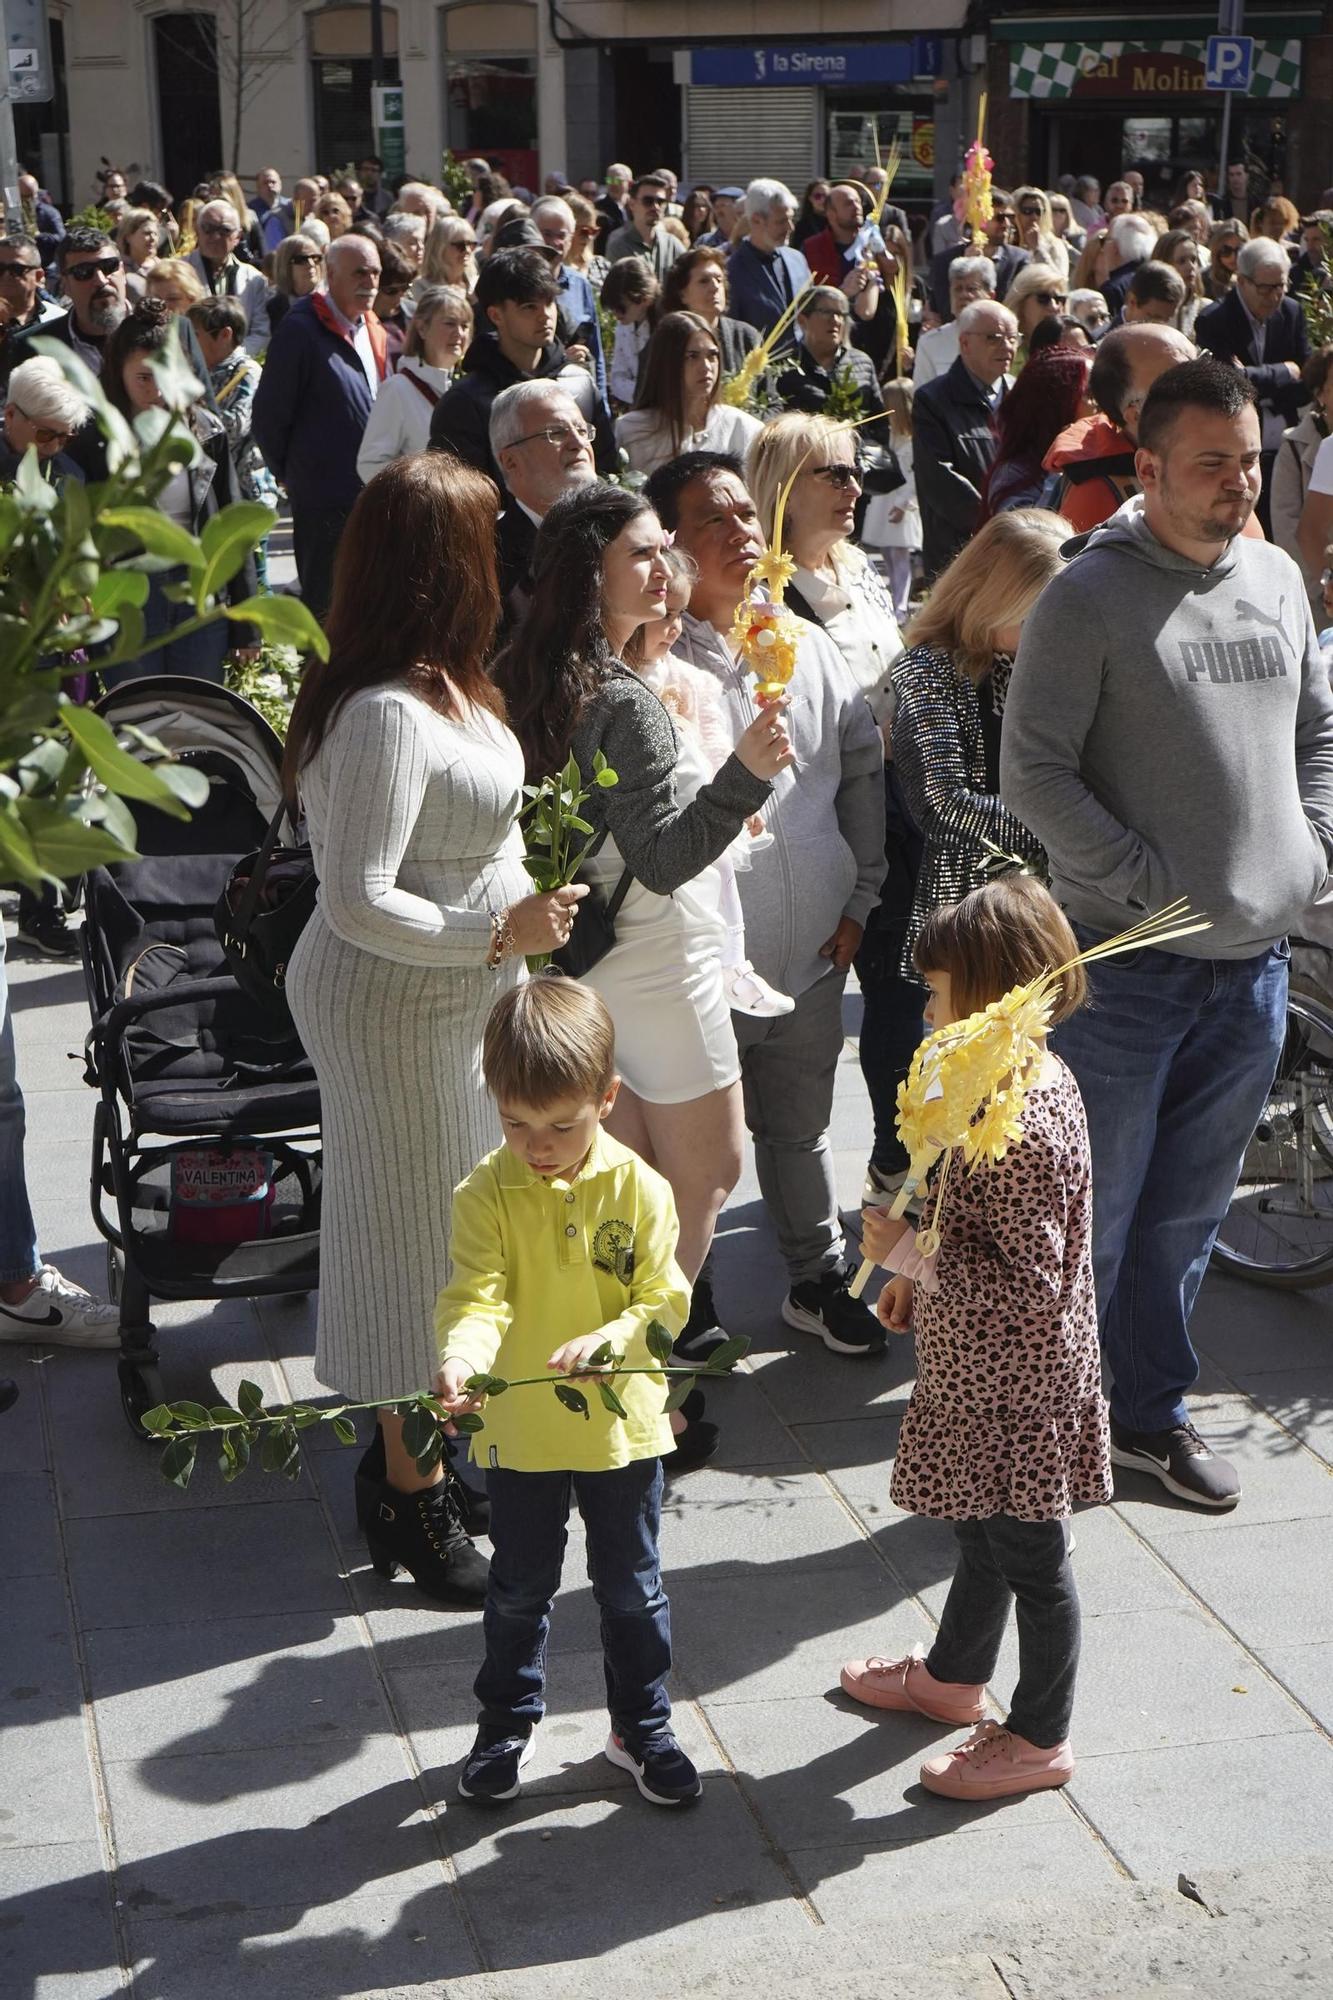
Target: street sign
1228 62
28 48
390 139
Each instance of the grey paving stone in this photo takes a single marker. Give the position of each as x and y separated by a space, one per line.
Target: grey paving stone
234 1684
1009 1856
57 1936
364 1945
201 1563
1280 1479
39 1679
1268 1581
1237 1324
59 1107
738 1639
28 1544
24 1439
1301 1400
265 1829
47 1788
1153 1678
1211 1805
802 1379
778 1532
838 1774
616 1872
1308 1672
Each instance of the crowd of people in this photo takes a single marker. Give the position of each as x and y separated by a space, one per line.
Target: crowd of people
1052 500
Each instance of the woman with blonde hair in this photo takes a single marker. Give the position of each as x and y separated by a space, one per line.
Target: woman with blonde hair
1037 293
335 214
137 235
298 270
1224 246
583 256
451 254
949 690
176 284
1037 233
437 339
677 408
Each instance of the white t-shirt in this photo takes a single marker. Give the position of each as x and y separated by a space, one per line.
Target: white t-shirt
1321 478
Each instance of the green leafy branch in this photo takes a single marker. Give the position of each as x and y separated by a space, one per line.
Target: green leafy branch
251 1429
555 832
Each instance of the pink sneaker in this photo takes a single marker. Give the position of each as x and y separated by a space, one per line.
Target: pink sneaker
996 1764
909 1684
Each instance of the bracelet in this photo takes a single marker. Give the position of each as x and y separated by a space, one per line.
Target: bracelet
502 938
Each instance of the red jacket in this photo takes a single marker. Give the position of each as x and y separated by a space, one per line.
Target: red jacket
1097 460
827 259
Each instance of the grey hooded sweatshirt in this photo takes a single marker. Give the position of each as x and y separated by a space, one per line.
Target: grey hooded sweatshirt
1168 732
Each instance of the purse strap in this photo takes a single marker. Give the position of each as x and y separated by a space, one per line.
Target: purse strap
623 886
245 909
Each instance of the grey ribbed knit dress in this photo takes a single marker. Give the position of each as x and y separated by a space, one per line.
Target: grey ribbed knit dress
412 822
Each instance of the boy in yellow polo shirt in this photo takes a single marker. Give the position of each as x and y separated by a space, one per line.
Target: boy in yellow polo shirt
562 1240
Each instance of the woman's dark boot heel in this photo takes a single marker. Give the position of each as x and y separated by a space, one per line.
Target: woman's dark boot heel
424 1533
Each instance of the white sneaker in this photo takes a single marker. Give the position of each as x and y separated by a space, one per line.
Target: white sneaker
747 993
59 1314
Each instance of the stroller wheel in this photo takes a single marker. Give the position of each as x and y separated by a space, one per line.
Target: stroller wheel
140 1390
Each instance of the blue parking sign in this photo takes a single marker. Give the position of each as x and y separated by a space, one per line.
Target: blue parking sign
1228 62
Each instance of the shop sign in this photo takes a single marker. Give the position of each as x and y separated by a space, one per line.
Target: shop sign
1085 70
923 143
818 63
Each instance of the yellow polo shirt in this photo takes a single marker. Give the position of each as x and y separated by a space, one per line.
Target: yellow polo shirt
535 1263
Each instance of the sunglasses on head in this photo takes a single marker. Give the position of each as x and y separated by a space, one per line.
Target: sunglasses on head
104 266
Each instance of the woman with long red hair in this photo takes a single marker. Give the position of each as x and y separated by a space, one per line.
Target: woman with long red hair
1049 395
411 784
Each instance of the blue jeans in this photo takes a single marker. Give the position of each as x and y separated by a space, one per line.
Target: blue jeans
198 654
1174 1057
18 1237
621 1510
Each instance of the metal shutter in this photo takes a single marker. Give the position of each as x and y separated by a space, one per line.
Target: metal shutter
732 135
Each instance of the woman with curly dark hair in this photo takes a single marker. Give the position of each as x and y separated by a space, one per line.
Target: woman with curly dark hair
1047 397
599 572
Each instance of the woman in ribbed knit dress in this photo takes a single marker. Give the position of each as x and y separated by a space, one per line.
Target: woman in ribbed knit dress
411 784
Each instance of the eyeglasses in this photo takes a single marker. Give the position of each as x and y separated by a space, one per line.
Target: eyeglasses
1030 208
1227 250
1049 298
104 267
1273 291
306 257
841 476
217 229
996 339
18 270
40 432
559 435
396 288
650 200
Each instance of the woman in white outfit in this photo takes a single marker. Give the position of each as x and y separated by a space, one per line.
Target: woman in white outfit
677 408
437 339
411 785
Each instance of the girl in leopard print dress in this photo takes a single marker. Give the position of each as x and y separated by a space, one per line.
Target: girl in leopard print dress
1006 1429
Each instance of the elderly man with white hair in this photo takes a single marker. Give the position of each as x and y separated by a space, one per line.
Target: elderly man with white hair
970 279
43 410
218 228
542 444
1132 241
1259 328
315 395
764 273
420 198
953 430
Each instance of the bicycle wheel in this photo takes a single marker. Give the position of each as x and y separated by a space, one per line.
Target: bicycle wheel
1279 1228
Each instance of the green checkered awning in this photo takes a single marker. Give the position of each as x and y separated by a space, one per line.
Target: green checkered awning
1051 69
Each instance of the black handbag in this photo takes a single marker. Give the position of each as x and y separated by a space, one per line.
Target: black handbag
880 471
262 911
594 930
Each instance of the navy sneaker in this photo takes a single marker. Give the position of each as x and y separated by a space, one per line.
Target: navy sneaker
493 1766
825 1307
659 1767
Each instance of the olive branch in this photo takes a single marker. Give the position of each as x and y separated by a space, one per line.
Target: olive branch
253 1428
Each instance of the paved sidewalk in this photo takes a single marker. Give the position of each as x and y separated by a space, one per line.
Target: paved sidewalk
229 1749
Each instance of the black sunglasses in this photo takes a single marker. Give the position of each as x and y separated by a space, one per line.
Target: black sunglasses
303 257
1049 298
17 270
81 273
1030 208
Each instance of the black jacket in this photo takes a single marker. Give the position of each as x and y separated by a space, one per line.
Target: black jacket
1224 329
1116 289
953 445
805 385
461 420
515 538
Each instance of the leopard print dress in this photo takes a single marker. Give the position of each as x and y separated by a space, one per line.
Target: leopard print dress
1008 1415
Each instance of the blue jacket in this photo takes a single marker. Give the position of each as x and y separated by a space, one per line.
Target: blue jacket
311 408
761 285
579 306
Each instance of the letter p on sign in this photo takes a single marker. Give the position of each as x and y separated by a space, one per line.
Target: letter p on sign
1228 62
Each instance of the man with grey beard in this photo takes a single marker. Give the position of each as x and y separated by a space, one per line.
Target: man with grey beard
92 278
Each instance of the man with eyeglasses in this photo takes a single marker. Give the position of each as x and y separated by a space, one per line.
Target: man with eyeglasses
92 279
825 357
219 231
543 447
1001 247
315 395
953 430
643 235
1261 330
23 303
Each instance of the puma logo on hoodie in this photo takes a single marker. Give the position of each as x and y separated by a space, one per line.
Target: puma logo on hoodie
1223 660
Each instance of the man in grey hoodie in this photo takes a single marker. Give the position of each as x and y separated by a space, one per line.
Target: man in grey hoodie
806 895
1168 733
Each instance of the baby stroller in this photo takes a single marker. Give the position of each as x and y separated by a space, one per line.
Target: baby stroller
206 1165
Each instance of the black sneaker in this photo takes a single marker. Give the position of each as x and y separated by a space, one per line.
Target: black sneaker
493 1766
701 1336
50 934
1181 1460
659 1767
825 1307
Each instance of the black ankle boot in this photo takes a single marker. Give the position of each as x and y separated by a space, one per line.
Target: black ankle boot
424 1533
370 1477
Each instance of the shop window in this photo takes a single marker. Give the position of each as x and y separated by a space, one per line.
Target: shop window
855 127
185 51
341 66
491 86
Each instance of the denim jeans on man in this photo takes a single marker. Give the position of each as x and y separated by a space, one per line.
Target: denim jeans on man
1174 1057
1002 1561
18 1237
622 1511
